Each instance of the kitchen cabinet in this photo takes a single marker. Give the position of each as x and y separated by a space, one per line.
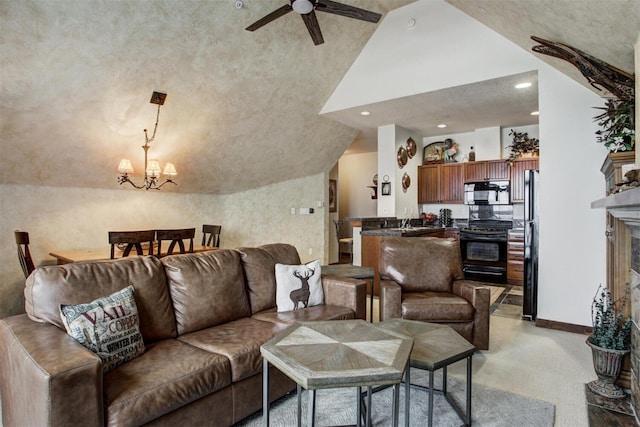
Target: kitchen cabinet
442 183
517 177
515 257
486 170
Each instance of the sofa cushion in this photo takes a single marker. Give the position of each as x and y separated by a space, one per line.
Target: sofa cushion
239 341
169 375
207 288
420 264
48 287
318 312
259 272
436 307
291 281
107 326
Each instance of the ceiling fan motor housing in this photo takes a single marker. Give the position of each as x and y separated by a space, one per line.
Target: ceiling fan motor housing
302 6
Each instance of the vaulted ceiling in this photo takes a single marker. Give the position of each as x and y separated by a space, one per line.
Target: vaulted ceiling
242 108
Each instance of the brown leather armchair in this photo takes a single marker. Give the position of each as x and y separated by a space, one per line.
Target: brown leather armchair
421 279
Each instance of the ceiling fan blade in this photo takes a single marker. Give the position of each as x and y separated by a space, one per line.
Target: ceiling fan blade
311 22
346 10
270 17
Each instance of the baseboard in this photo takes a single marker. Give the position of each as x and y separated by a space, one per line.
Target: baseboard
561 326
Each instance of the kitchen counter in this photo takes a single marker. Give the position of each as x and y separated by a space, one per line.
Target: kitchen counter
403 232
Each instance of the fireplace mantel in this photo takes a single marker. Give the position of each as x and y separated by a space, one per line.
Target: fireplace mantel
624 205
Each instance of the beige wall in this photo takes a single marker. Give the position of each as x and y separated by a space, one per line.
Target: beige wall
74 218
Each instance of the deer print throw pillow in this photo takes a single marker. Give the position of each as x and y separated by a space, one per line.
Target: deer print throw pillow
298 286
107 326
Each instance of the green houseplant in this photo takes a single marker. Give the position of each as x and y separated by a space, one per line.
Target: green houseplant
610 341
522 146
617 131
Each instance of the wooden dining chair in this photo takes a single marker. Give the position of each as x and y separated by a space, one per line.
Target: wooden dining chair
211 235
133 239
177 237
24 255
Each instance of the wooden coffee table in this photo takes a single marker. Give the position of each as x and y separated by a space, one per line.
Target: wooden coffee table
336 353
435 347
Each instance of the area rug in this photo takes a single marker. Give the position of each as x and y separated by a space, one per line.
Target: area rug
490 407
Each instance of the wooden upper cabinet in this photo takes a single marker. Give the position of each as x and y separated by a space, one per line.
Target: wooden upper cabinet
443 183
452 183
517 177
486 170
429 184
497 169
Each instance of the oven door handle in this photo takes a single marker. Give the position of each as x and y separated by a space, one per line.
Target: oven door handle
470 270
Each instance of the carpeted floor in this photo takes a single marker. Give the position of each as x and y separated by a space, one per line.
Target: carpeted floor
490 407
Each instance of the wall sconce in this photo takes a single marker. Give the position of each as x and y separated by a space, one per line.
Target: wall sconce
151 167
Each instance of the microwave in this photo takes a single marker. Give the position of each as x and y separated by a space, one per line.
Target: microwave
487 193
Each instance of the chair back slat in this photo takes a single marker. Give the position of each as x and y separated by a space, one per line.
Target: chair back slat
177 237
133 240
24 255
211 235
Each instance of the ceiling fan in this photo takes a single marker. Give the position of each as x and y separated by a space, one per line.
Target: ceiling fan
307 8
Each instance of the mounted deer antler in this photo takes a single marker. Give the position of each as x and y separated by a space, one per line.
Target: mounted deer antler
598 73
302 295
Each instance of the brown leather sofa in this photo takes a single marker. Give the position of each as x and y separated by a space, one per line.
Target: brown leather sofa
421 278
203 318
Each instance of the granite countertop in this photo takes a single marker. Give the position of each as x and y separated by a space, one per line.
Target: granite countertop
402 232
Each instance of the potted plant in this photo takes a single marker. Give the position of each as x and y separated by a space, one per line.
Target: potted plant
523 146
617 131
610 341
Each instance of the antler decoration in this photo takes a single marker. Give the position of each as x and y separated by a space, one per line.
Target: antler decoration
599 74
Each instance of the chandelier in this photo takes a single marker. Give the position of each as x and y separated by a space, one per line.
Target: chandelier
151 167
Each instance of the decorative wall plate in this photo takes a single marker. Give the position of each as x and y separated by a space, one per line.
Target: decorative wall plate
406 182
402 156
411 147
433 152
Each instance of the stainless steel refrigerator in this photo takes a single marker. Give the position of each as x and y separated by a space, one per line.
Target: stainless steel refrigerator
531 227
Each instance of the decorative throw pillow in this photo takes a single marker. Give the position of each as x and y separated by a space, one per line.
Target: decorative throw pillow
298 286
107 326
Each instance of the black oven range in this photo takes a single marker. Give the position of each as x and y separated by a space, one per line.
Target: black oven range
483 243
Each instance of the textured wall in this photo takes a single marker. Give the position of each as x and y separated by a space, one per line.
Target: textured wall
77 76
75 218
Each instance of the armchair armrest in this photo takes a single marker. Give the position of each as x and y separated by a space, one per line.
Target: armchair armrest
346 292
390 300
480 297
46 377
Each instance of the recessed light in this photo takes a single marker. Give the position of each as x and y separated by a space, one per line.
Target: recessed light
523 85
365 113
535 113
442 126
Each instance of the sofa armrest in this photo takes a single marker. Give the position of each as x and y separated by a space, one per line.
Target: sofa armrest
46 377
346 292
390 300
480 297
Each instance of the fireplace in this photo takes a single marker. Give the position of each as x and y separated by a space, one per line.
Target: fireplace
623 269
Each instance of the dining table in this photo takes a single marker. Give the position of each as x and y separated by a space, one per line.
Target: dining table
104 253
